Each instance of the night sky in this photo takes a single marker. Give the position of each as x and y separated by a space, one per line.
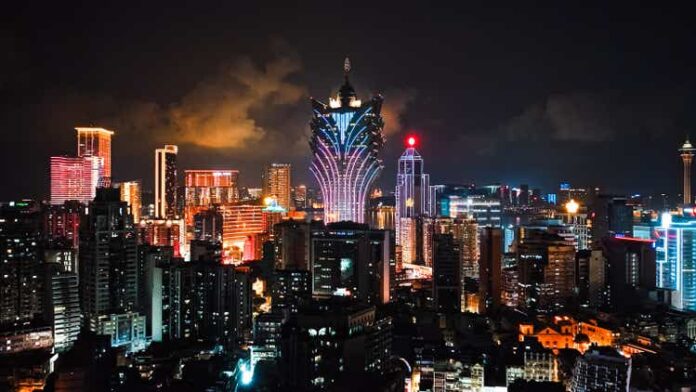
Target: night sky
599 96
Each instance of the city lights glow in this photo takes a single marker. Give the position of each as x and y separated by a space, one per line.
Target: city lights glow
572 206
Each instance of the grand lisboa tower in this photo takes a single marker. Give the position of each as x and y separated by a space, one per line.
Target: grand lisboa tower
346 141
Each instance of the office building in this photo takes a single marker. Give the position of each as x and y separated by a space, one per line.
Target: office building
490 269
131 193
163 232
74 179
96 142
165 182
346 142
631 273
349 259
277 181
108 270
412 199
675 262
62 225
546 265
485 211
207 188
241 224
207 225
447 283
292 244
601 369
328 338
291 289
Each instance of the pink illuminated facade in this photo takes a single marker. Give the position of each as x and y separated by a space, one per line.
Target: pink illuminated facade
74 179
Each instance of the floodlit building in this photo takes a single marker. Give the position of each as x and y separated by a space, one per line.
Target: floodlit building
346 141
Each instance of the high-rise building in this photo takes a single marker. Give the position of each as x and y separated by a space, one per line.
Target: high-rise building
447 286
412 192
330 338
300 196
349 259
546 265
277 182
163 232
676 262
74 179
108 270
630 270
240 226
165 181
62 225
292 244
131 193
153 293
215 303
20 262
601 369
96 142
490 268
346 141
687 156
206 188
291 288
61 305
207 226
485 210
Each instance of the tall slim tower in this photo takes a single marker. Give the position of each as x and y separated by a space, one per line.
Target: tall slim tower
96 142
412 198
276 183
165 181
687 155
346 141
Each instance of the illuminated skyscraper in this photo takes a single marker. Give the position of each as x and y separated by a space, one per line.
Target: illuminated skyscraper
687 155
165 181
676 260
276 183
96 142
412 198
131 193
346 141
74 179
412 185
205 188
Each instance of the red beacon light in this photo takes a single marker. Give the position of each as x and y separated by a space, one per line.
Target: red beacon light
411 141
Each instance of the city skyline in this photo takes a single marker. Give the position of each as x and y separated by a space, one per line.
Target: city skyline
591 94
488 199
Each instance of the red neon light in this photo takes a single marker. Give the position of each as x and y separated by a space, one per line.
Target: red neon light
411 141
634 239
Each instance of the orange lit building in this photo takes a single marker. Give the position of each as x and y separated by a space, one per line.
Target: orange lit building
96 142
131 193
566 332
277 182
205 188
162 232
240 224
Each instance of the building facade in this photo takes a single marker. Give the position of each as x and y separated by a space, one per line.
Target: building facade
346 142
165 181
